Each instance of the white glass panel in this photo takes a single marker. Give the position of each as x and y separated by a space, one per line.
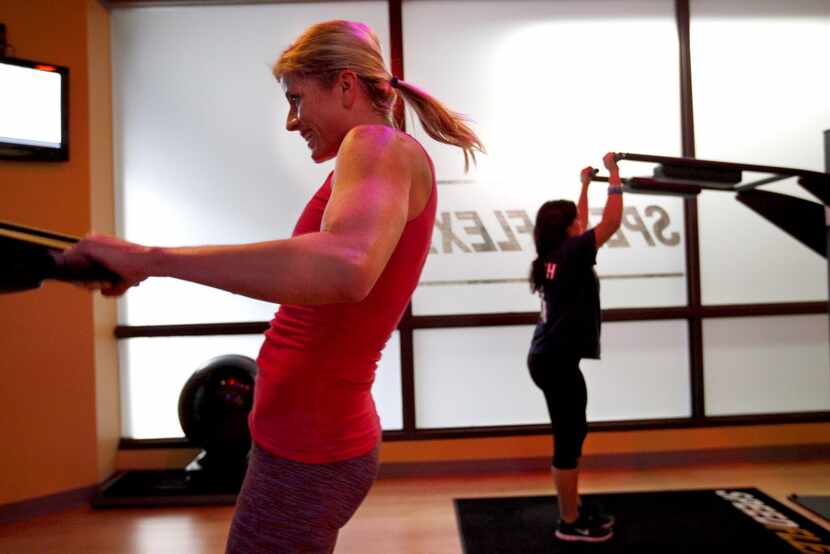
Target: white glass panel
760 97
643 373
202 154
766 365
154 370
387 388
551 87
469 377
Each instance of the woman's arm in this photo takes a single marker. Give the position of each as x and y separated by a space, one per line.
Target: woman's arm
582 206
363 221
612 214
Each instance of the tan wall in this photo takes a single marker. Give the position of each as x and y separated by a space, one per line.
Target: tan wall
611 442
102 216
48 368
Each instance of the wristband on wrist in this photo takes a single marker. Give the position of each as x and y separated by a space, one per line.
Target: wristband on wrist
615 189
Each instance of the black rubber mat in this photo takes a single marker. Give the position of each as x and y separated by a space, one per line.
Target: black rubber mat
683 521
819 505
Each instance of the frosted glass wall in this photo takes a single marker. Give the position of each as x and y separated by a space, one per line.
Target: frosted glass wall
766 365
202 155
760 97
154 370
469 377
550 87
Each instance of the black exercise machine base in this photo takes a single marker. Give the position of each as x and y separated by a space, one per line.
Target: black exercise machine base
167 487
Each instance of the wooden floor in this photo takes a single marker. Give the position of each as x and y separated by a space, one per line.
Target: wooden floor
401 515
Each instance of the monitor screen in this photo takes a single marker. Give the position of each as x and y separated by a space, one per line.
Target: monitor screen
33 110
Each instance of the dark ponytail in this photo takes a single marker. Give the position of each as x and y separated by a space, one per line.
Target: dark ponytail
549 232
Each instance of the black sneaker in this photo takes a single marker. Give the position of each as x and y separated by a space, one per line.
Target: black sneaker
583 529
595 514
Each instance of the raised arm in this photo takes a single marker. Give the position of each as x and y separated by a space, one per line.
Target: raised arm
363 221
582 206
612 214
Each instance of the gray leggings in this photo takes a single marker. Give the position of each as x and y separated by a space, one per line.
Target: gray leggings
291 507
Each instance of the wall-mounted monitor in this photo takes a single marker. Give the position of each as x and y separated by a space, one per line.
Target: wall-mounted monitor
34 111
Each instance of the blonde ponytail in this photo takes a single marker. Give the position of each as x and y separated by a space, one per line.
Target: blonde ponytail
327 48
440 123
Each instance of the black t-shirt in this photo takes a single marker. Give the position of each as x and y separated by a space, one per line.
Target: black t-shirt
569 322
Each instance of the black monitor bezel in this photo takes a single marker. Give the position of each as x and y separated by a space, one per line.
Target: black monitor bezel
10 151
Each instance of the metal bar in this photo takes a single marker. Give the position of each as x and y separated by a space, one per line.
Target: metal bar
759 182
820 188
628 314
499 319
648 185
694 162
407 354
600 178
824 199
396 56
405 331
695 322
687 128
690 219
754 310
191 330
639 185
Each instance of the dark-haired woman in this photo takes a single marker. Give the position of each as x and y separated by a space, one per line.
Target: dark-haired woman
569 330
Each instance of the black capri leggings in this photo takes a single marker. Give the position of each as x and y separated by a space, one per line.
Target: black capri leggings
561 381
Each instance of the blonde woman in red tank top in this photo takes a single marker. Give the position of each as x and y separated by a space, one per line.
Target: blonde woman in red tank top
351 265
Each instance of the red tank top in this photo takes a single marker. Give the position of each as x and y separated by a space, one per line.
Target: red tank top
313 400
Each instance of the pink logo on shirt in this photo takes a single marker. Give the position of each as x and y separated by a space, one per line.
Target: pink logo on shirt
550 270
